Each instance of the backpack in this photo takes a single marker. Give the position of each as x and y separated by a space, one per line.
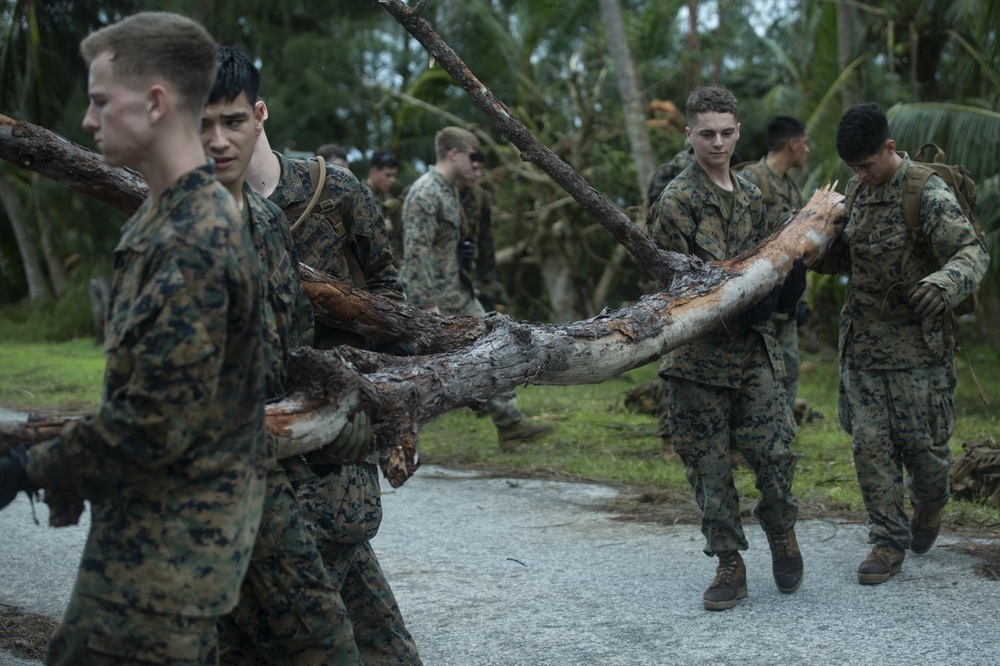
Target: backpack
959 181
762 176
322 201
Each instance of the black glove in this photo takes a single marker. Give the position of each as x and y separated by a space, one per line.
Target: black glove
761 310
802 315
466 253
397 348
791 291
14 475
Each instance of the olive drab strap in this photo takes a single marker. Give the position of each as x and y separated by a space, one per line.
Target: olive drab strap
322 199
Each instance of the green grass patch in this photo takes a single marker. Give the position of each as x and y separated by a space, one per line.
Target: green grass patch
56 378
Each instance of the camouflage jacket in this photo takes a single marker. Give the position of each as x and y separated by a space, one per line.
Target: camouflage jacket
391 207
477 204
288 316
169 461
317 243
667 172
434 222
687 218
782 196
878 328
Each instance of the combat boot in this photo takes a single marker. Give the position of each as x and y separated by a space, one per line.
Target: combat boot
786 560
881 564
925 527
512 436
730 584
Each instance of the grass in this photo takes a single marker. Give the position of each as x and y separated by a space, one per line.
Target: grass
597 439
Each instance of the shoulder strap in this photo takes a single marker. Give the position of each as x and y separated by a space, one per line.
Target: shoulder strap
916 178
761 173
851 193
317 172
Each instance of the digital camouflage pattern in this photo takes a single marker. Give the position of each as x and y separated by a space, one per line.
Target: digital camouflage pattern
667 172
342 505
783 199
434 223
289 611
724 390
319 245
477 204
897 369
391 207
876 307
170 460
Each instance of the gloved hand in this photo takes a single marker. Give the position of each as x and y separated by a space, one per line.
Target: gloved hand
761 310
14 475
802 315
397 348
791 291
351 446
927 300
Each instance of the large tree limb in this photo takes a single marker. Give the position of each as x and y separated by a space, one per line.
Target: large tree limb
43 151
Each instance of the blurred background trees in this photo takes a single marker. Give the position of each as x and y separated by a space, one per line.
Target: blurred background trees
345 72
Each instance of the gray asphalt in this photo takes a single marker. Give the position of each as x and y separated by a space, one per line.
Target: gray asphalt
535 573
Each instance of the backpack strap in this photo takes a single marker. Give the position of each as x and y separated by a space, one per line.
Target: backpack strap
317 172
916 178
762 176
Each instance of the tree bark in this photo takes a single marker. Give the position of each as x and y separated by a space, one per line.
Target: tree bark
464 360
43 151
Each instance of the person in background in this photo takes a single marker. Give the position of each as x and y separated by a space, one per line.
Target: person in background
333 154
382 170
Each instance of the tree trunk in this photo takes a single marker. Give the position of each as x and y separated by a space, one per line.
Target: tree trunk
464 360
57 270
846 39
38 288
630 89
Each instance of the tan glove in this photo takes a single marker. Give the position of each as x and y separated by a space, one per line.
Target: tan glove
927 300
351 446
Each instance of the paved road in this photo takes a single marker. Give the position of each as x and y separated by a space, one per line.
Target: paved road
535 573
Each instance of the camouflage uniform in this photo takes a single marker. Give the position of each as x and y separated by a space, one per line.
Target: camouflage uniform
289 609
897 370
342 504
667 172
391 208
435 222
783 199
723 389
170 459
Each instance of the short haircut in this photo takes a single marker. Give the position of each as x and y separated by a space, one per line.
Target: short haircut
235 74
711 98
454 137
329 151
383 159
862 132
781 130
159 44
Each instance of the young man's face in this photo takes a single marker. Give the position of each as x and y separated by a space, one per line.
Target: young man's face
799 148
876 170
382 179
466 171
118 114
229 131
713 136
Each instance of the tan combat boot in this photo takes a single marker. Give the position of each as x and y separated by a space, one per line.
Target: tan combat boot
786 560
730 584
881 564
925 527
512 436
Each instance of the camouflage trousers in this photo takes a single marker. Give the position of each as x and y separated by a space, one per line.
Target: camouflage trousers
290 611
503 407
96 632
786 330
899 419
705 421
344 510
